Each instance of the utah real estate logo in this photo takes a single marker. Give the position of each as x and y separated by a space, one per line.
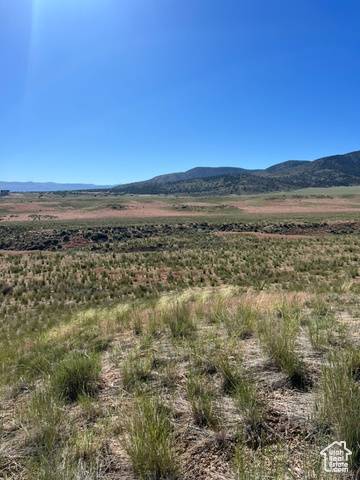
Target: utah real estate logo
336 457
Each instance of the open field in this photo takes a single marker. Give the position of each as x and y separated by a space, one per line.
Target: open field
57 207
178 338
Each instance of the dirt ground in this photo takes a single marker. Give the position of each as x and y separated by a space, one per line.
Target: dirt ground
298 205
132 210
265 235
25 210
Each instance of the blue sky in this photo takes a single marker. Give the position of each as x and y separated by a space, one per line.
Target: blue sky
113 91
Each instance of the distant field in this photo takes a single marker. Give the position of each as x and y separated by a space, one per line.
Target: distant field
325 203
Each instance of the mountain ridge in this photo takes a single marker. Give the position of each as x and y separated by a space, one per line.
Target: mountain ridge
334 170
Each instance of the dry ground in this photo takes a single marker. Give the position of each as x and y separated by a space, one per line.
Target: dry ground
21 207
288 427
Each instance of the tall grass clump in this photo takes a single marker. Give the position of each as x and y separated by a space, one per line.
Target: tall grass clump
76 375
61 466
231 373
279 462
43 419
202 400
149 440
135 370
242 322
179 320
339 406
218 311
249 403
205 354
322 331
277 337
38 360
260 464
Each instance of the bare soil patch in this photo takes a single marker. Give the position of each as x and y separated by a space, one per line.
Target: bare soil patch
18 252
132 210
265 235
301 205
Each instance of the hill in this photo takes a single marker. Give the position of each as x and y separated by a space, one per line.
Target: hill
198 172
336 170
284 166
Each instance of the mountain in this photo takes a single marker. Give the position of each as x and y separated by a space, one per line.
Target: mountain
336 170
198 172
48 187
284 166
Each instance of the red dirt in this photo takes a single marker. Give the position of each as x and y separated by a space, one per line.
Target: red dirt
158 208
77 242
19 252
29 206
267 235
299 205
132 210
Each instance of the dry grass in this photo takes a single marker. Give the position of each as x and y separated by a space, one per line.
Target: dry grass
184 391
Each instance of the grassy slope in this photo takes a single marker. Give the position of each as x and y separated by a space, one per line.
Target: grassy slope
198 376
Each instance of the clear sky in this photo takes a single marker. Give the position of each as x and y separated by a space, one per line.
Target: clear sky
113 91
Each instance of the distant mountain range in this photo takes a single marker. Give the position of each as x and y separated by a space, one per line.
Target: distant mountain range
48 187
336 170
